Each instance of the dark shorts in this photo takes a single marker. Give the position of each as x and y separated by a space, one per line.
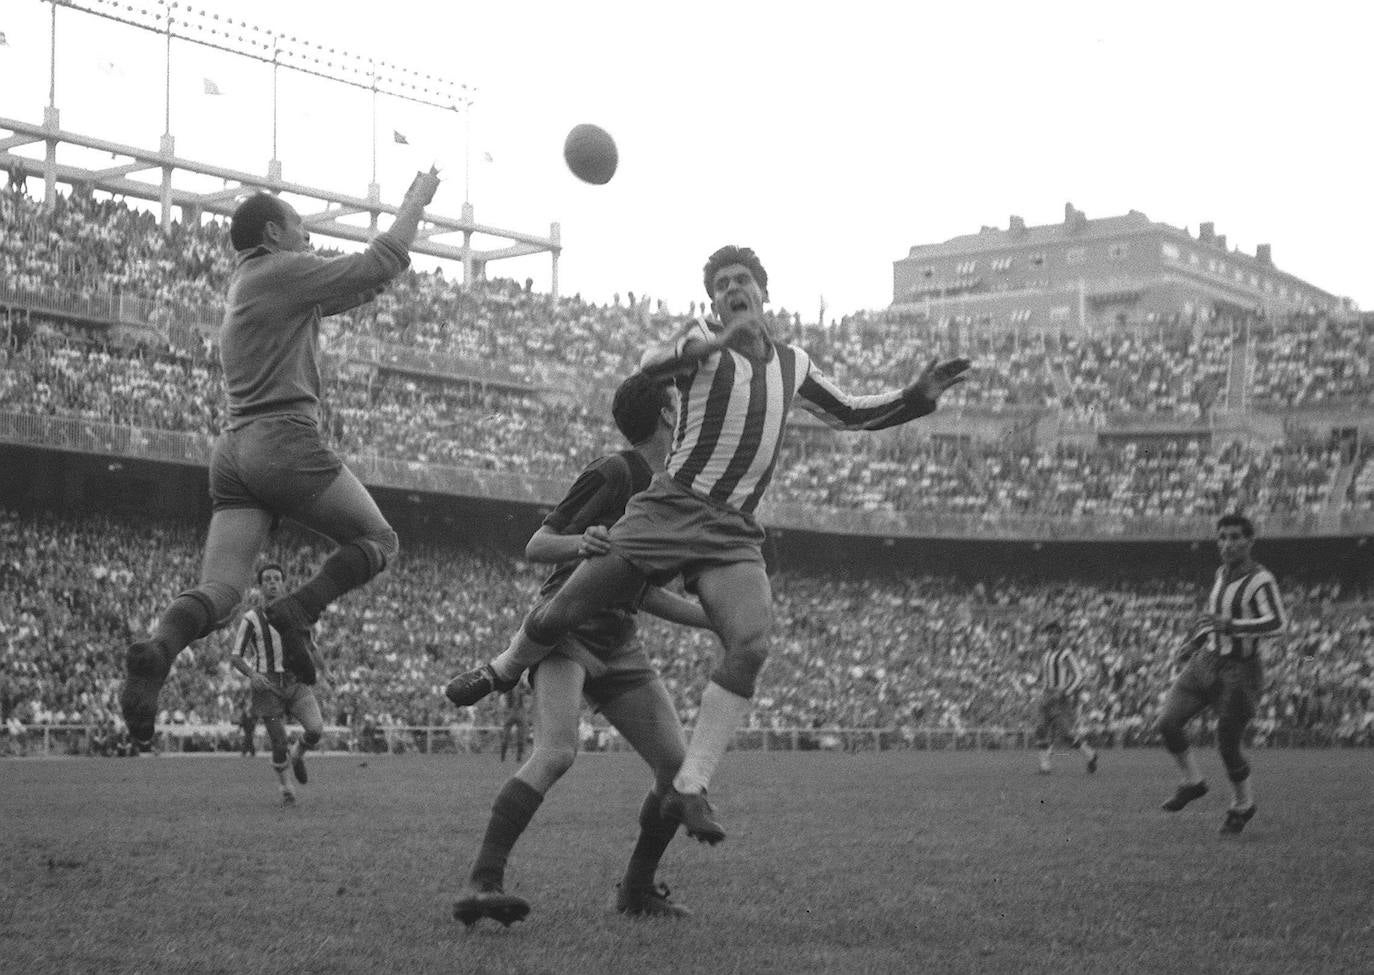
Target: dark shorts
668 531
1058 716
611 670
276 463
1231 686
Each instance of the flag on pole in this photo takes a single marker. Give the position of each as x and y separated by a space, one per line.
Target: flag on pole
486 157
399 139
211 88
3 41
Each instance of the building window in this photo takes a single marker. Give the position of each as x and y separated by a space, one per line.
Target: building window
1037 260
1002 264
1118 251
1170 251
1075 255
1193 259
928 272
1059 314
966 267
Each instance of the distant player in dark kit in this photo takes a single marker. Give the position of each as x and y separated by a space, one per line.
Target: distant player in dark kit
515 724
270 461
248 724
1061 677
278 693
601 661
1223 668
737 386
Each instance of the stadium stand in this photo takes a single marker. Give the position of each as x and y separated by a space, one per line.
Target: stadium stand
105 321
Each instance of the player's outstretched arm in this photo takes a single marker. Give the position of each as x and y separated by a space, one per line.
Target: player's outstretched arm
692 346
674 608
337 305
412 208
938 377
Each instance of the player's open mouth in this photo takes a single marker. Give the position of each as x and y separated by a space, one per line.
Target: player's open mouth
739 304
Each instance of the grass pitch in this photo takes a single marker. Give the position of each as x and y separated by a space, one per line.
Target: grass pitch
896 862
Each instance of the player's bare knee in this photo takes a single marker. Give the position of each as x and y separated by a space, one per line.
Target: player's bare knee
311 736
548 764
1175 741
218 600
381 546
738 673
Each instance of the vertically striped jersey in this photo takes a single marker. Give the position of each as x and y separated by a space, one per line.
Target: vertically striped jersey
733 413
1252 603
259 644
1060 671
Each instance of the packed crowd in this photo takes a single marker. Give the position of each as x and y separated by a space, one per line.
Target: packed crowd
66 370
883 651
87 246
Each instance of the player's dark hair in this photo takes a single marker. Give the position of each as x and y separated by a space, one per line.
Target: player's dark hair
262 570
730 254
1246 526
250 220
636 406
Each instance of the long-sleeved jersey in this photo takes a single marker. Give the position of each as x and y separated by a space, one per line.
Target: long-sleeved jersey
269 344
733 413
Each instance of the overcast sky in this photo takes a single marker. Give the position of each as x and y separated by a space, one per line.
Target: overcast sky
830 137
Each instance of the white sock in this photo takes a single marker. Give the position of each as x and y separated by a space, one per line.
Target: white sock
1045 757
522 654
721 713
1244 798
1087 750
281 776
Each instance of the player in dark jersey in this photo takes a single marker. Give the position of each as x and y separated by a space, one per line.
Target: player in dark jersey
601 661
278 693
270 461
515 725
1223 668
248 725
696 519
1061 677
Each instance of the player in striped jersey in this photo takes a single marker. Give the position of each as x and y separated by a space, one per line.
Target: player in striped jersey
1061 677
1223 668
737 386
277 692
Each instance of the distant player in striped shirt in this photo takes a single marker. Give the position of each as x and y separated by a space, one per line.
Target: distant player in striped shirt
277 693
1224 669
1061 677
696 519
